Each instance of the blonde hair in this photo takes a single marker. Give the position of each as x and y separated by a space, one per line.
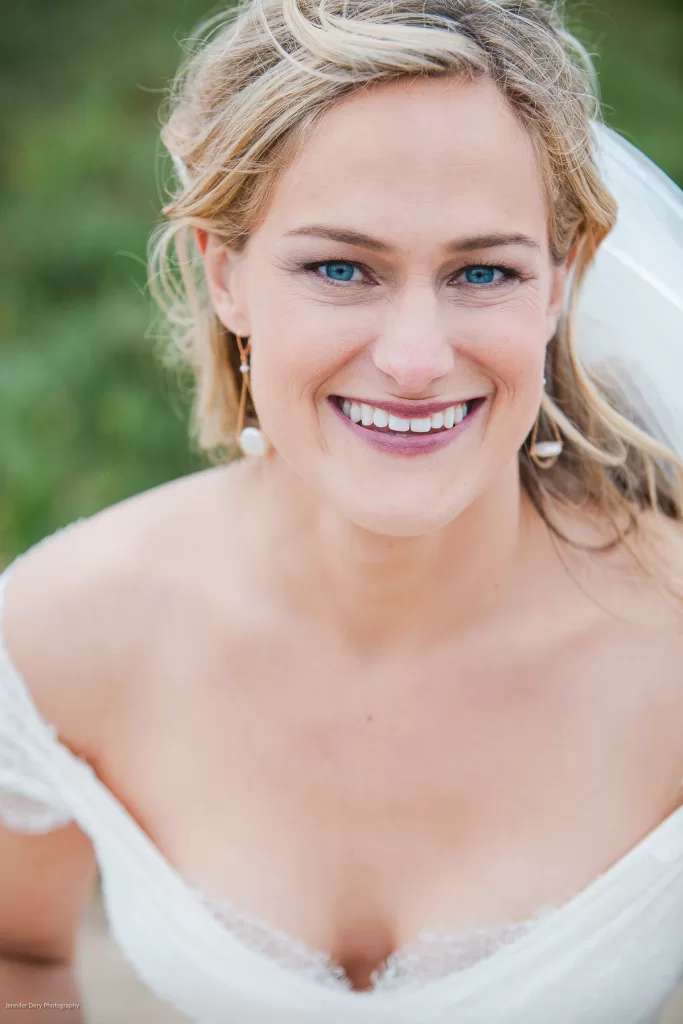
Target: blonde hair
241 108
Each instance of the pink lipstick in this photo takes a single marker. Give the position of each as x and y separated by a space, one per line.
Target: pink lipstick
406 442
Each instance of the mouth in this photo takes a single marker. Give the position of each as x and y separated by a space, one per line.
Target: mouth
404 436
379 420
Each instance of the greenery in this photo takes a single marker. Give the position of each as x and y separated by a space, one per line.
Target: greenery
88 415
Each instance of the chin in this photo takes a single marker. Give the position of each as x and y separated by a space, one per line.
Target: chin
400 520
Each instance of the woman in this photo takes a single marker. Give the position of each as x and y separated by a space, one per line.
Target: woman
383 721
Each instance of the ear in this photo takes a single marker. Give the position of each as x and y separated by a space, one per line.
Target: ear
558 290
573 252
223 275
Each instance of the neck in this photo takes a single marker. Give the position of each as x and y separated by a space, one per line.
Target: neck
387 592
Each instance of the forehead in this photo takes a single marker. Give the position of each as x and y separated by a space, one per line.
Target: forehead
417 157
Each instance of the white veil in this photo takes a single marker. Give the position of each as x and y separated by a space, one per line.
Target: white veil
630 313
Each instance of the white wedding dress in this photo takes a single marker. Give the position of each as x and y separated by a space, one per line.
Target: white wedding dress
611 955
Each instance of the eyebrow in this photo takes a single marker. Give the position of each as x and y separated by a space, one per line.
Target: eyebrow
455 245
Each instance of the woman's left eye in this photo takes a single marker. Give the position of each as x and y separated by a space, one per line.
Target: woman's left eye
483 275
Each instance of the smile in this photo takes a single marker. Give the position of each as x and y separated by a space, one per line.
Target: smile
376 418
386 431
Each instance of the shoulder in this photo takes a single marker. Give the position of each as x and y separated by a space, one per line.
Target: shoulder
81 605
659 547
636 579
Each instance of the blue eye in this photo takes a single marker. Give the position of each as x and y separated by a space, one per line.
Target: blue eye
339 270
479 275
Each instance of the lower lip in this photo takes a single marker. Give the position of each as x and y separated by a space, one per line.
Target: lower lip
407 443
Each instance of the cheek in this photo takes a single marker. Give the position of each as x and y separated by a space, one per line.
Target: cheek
508 344
508 341
281 341
300 345
294 353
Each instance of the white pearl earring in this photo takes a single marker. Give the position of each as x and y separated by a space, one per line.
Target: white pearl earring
545 453
251 440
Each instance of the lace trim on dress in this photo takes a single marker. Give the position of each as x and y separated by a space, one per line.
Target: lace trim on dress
434 954
288 951
438 954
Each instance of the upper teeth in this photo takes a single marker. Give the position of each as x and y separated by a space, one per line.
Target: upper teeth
369 415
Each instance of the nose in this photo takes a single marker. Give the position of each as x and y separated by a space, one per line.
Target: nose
413 348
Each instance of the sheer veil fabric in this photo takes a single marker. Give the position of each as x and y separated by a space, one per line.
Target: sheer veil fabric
630 316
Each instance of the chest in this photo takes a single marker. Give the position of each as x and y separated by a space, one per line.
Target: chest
352 805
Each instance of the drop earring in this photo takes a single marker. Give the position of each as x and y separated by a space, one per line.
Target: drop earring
545 453
251 440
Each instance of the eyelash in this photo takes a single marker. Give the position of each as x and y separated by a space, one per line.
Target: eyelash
510 273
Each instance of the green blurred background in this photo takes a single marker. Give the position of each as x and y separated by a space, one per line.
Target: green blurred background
88 415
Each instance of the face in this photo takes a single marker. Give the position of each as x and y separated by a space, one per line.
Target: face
402 269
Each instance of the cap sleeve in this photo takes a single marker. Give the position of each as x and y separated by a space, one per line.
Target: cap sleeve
29 797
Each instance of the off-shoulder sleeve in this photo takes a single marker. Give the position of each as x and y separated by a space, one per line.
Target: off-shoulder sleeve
30 801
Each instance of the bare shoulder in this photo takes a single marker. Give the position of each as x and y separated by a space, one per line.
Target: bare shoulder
667 535
636 579
661 544
81 605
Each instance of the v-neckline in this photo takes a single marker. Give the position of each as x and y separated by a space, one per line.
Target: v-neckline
562 912
74 765
324 960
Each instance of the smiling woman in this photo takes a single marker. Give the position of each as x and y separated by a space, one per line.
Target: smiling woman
383 722
426 168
